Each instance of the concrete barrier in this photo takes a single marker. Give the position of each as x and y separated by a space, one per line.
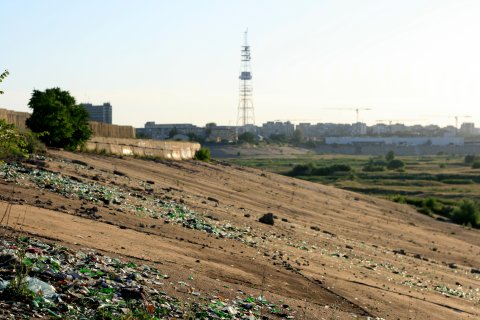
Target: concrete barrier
14 117
100 129
174 150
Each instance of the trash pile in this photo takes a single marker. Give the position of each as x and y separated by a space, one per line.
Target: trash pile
63 283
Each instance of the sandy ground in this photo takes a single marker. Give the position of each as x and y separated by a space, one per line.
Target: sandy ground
338 255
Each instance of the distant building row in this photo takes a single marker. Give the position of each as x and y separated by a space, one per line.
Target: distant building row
315 132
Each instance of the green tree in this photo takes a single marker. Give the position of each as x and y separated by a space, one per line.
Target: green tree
297 136
64 124
390 156
467 213
395 164
173 132
3 76
469 159
208 127
248 137
278 138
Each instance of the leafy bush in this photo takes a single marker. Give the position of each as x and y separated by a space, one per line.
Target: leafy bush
12 143
325 171
280 138
373 168
467 213
247 137
203 154
375 165
395 164
430 205
458 181
469 159
64 124
398 199
390 156
311 170
476 165
303 170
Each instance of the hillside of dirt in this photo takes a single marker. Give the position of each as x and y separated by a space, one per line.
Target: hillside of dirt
189 232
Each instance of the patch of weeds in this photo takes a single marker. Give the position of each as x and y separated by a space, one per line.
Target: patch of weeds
17 289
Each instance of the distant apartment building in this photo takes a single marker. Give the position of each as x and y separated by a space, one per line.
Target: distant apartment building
467 128
398 128
100 113
309 131
380 129
278 128
359 129
166 131
222 133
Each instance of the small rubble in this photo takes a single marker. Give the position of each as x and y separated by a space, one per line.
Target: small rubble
85 284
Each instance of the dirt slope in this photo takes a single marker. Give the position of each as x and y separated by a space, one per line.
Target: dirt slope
330 254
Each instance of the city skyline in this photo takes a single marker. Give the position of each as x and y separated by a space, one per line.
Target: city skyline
178 62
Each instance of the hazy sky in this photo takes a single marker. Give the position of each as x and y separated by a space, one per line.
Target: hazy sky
178 61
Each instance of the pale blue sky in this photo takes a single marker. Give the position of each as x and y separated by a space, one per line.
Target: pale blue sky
178 61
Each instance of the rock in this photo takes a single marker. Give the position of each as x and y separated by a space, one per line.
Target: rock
80 162
150 182
315 228
284 219
399 251
129 293
119 173
267 219
247 215
475 271
329 233
452 265
213 199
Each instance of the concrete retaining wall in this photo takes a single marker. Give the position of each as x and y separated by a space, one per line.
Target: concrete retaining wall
175 150
100 129
14 117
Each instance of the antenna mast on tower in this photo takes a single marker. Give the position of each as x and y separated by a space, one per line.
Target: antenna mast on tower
245 115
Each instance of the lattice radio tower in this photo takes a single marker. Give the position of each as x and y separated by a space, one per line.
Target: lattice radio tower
245 115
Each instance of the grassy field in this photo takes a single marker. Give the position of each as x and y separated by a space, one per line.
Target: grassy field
435 185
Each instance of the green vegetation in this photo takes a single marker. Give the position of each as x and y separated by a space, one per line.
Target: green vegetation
203 154
3 75
467 213
469 159
17 289
61 122
247 137
311 170
12 143
395 164
439 186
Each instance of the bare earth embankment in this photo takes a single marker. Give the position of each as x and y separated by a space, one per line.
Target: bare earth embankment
330 254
